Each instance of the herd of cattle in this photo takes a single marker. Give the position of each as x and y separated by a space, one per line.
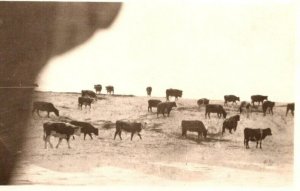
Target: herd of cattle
64 130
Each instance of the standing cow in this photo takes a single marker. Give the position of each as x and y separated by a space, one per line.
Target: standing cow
149 90
165 107
258 98
86 128
193 126
268 105
98 88
85 101
202 101
230 123
110 89
231 98
290 106
255 135
153 103
88 93
245 105
215 108
44 106
173 92
132 127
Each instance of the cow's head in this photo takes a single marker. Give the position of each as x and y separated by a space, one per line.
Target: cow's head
204 133
173 104
237 117
56 112
266 97
238 98
267 131
96 131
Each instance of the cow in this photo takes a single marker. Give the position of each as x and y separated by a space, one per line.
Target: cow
60 130
86 128
215 108
88 93
165 107
153 103
193 126
132 127
258 98
44 106
290 106
202 101
110 89
149 90
245 105
98 88
85 101
231 98
268 105
255 135
230 123
173 92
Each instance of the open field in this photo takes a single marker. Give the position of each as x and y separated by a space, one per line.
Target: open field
162 157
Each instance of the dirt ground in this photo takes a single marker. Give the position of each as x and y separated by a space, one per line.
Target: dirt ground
163 157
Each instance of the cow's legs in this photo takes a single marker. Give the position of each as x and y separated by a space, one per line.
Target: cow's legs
68 143
48 114
59 141
84 136
91 135
132 135
260 144
120 134
256 144
115 134
139 135
292 113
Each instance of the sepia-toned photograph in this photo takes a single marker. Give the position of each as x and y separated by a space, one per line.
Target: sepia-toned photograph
178 94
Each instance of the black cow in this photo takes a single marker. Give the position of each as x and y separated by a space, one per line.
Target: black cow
215 108
85 101
98 88
247 106
165 107
44 106
268 105
202 101
86 128
290 106
110 89
153 103
230 123
193 126
255 135
88 93
231 98
258 98
60 130
173 92
132 127
149 90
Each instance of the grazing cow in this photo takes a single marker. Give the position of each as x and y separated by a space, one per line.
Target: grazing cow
165 107
88 93
60 130
173 92
215 108
231 98
202 101
258 98
247 106
85 101
290 106
110 89
230 123
44 106
152 103
193 126
268 105
149 90
86 128
132 127
255 135
98 88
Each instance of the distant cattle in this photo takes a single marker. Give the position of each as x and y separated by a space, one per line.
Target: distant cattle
173 92
268 105
132 127
98 88
149 90
153 103
202 101
245 106
230 123
88 93
110 89
258 98
215 108
44 106
231 98
60 130
290 106
165 107
193 126
255 135
86 128
85 101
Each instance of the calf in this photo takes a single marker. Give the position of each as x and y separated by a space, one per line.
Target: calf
149 90
290 106
202 101
86 128
60 130
215 108
98 88
230 123
255 135
132 127
110 89
85 101
44 106
231 98
153 103
258 98
165 107
173 92
268 105
193 126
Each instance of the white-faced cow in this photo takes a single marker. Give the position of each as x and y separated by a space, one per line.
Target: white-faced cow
98 88
230 123
131 127
153 103
268 105
173 92
258 98
231 98
290 106
193 126
215 108
202 101
85 101
255 135
44 106
110 89
86 128
149 90
165 107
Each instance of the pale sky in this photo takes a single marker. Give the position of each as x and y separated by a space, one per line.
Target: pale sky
206 48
